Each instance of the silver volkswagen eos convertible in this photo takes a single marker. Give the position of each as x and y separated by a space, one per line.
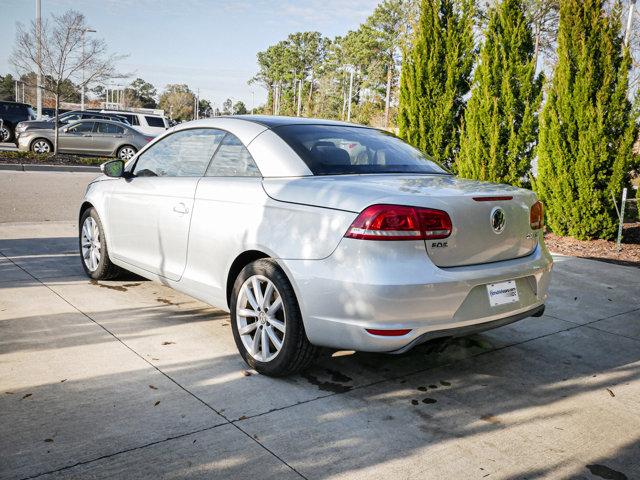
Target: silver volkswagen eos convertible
316 233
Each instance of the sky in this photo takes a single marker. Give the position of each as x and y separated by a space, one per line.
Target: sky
210 45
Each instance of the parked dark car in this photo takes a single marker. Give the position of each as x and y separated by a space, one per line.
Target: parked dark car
13 113
67 118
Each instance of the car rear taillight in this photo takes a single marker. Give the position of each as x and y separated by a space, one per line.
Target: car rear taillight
148 139
399 222
536 215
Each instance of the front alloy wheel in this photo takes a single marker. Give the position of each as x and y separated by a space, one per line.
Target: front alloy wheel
41 146
93 247
261 318
90 244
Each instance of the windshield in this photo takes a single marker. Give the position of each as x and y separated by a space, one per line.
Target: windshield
338 150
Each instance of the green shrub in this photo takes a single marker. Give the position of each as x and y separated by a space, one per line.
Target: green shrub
435 77
501 120
587 128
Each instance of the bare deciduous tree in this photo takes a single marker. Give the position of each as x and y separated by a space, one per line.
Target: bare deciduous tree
66 55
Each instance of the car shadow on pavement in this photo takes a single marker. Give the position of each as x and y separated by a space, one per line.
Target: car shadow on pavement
113 371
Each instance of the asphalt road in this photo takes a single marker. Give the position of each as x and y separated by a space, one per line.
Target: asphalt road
11 147
130 379
41 196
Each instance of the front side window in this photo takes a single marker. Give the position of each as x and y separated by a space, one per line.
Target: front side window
232 160
81 127
342 150
183 154
154 121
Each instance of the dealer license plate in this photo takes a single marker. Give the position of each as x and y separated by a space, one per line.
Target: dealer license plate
502 293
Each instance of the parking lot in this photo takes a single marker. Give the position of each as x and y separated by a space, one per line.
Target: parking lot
129 379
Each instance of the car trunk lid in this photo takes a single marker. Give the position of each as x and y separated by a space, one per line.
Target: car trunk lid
477 209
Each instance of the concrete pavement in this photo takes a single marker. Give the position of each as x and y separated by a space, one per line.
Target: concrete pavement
41 196
129 379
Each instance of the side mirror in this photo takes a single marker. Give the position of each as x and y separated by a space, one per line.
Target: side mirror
113 168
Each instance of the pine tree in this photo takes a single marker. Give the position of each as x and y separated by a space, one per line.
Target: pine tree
501 119
435 77
586 127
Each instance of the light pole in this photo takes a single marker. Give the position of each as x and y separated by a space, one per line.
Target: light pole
39 60
253 101
84 60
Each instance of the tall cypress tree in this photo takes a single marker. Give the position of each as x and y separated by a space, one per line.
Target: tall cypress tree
586 127
501 118
435 77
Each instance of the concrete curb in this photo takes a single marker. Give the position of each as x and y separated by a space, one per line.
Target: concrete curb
27 167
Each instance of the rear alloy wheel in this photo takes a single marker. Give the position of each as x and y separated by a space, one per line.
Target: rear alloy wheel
266 321
5 134
93 248
261 318
126 153
41 146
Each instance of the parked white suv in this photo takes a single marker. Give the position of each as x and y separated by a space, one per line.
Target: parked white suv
147 123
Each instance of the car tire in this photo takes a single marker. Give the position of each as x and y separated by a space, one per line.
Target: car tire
5 134
92 241
126 152
41 146
295 353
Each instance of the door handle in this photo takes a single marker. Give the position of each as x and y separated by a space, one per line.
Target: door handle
180 208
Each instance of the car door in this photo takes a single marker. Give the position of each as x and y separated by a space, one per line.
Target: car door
106 137
149 213
228 200
77 138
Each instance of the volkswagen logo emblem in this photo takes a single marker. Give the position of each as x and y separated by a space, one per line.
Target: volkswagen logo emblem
498 220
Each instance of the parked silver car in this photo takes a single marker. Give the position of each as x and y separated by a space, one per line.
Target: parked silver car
273 220
92 137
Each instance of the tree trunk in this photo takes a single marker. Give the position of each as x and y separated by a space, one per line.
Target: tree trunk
387 101
55 137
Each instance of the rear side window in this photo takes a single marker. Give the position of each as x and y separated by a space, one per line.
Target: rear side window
183 154
109 128
154 121
232 160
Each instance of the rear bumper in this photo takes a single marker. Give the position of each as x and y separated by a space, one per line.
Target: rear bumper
368 284
474 328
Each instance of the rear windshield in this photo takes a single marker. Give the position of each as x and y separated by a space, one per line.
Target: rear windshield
338 150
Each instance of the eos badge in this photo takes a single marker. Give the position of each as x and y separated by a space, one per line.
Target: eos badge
438 244
498 220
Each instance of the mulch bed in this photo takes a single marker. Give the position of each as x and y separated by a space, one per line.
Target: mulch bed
603 250
59 159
